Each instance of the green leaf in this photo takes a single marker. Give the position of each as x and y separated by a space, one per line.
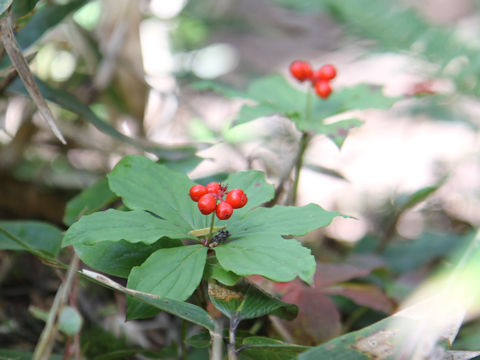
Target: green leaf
246 301
268 255
412 254
357 345
338 131
217 87
173 273
89 200
69 321
189 312
213 270
39 235
4 5
113 225
199 341
253 183
144 185
119 257
23 7
262 348
358 97
284 220
409 201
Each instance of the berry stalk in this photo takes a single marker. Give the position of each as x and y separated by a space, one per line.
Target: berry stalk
304 140
210 233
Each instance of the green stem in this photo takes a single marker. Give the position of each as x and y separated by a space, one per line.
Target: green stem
183 344
298 167
217 340
212 223
232 351
292 196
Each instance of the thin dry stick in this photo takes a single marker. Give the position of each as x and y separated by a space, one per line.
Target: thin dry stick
43 349
20 63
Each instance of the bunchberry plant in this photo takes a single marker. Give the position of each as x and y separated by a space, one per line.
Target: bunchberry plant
273 95
167 246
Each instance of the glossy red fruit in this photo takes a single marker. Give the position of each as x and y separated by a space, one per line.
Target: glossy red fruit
236 198
301 70
327 72
207 204
197 191
323 89
213 187
224 210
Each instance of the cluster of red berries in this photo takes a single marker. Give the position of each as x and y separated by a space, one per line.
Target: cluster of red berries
208 196
301 70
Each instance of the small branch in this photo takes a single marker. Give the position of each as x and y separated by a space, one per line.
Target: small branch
21 65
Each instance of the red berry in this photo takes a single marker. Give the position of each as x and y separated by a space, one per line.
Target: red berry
213 187
301 70
207 204
236 198
197 191
323 89
224 210
327 72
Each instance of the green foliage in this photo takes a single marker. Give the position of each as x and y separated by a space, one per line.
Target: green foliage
119 257
22 7
36 234
213 270
174 273
114 225
404 256
89 200
4 5
161 208
261 348
274 95
246 301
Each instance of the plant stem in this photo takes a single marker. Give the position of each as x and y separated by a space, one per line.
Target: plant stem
292 199
217 340
292 195
211 228
232 351
184 339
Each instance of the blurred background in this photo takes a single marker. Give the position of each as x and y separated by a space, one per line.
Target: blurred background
123 74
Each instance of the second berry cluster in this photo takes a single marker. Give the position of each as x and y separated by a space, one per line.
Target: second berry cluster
320 79
210 198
